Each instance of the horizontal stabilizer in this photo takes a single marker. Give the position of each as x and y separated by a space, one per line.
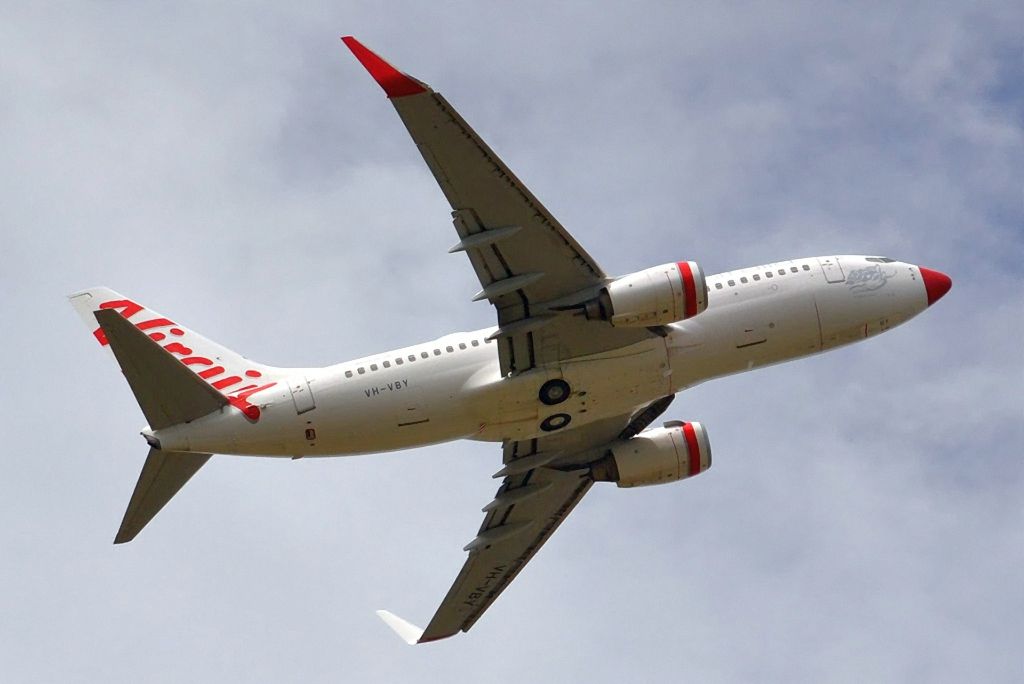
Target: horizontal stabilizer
167 391
164 473
409 632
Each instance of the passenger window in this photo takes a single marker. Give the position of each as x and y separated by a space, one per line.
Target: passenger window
732 283
373 366
449 349
437 352
782 271
348 374
793 269
743 280
411 357
757 276
462 345
476 343
806 267
387 364
768 274
399 361
424 355
361 370
718 286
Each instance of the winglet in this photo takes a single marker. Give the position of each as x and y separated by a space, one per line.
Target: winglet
409 632
393 81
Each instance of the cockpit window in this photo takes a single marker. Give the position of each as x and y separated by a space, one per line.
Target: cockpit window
879 260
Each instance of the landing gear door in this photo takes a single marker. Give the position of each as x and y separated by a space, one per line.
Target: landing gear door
832 270
302 395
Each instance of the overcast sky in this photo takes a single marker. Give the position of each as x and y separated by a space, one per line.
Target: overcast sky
234 167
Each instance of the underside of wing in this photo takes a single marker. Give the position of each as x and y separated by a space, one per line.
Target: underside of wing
529 266
526 511
543 481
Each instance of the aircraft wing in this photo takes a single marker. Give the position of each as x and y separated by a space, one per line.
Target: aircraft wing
522 255
544 479
513 530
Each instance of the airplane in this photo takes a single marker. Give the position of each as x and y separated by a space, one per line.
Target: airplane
570 381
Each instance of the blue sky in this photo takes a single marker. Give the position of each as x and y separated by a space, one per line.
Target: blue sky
234 167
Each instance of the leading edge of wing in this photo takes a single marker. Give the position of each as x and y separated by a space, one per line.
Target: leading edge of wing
394 82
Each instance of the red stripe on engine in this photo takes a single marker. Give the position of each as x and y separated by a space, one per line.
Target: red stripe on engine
689 289
693 447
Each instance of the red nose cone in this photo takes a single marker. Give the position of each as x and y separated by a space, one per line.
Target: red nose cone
935 284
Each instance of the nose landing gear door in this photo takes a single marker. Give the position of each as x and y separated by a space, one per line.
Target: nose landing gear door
832 270
302 395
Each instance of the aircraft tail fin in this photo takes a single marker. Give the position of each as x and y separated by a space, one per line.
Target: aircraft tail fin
167 391
174 337
177 375
164 473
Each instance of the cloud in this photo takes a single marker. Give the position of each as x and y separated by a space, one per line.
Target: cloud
236 169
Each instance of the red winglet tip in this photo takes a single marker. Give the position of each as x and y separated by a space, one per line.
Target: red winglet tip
393 81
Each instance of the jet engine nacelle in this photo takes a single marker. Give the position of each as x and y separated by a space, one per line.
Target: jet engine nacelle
674 452
655 296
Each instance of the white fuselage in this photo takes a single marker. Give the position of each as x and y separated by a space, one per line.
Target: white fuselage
452 388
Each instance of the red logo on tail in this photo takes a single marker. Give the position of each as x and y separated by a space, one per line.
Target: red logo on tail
168 329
